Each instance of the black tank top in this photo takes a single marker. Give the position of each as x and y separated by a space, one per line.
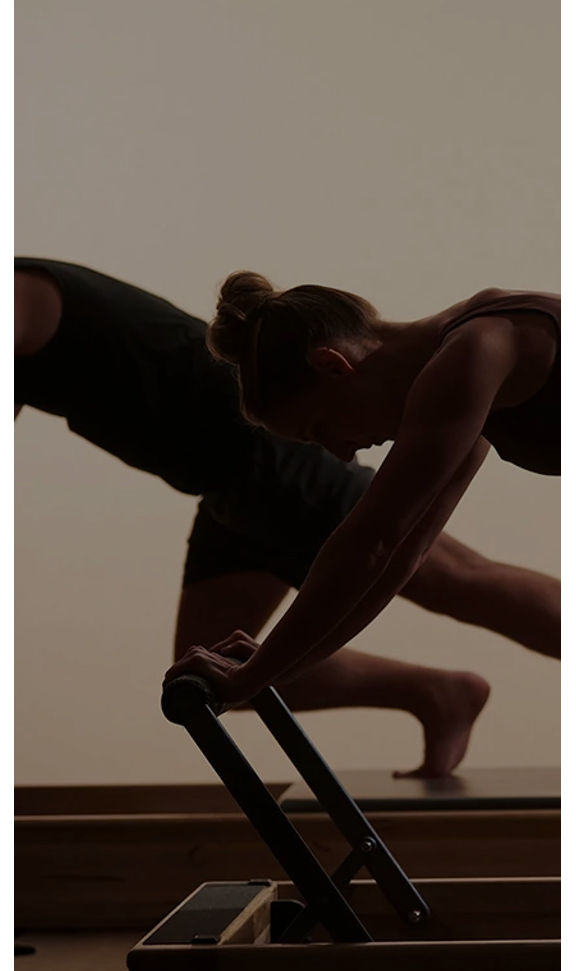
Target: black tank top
527 434
130 372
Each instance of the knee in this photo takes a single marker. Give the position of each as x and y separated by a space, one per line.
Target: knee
37 310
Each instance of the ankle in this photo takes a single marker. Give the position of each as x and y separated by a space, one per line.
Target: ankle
444 695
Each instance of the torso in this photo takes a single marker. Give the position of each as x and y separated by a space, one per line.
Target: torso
131 373
537 342
524 424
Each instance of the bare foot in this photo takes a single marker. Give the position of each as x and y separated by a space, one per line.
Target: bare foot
453 701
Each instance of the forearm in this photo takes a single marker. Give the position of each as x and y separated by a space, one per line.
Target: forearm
392 575
341 576
273 663
404 564
398 573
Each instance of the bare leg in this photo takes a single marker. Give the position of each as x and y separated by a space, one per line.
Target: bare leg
445 702
456 581
520 604
211 609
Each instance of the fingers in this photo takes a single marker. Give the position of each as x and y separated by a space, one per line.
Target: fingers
241 652
215 665
198 660
194 661
236 637
237 645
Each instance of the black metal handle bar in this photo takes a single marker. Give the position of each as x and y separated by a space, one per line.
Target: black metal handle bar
184 697
185 701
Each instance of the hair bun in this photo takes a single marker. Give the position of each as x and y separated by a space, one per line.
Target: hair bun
229 337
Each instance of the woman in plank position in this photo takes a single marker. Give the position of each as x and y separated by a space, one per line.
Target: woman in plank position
131 373
319 365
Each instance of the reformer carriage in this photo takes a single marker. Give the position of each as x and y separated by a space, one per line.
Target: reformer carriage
322 919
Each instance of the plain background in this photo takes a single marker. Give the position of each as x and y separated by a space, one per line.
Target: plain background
407 150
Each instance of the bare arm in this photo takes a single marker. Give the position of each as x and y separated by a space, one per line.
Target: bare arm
37 313
439 434
404 564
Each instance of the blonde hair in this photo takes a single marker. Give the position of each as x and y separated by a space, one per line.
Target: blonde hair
267 334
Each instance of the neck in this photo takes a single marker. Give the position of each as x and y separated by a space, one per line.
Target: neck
400 351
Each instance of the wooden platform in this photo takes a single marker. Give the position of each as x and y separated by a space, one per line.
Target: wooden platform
122 857
470 789
77 951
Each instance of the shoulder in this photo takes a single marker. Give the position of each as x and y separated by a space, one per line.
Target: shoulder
491 293
472 361
480 334
515 299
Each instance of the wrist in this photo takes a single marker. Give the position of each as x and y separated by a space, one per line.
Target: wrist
247 680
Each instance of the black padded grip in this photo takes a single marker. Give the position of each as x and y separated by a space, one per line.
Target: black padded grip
182 695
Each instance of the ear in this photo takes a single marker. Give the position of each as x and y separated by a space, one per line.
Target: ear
329 361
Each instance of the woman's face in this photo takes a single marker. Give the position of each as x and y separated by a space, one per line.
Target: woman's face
337 411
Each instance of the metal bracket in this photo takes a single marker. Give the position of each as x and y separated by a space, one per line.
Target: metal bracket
189 701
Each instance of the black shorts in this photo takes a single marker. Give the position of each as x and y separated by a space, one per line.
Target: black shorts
276 515
131 373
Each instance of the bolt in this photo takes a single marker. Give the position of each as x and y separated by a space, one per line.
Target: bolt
368 845
415 916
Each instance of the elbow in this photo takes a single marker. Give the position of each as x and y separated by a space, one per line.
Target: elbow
384 550
415 558
379 556
399 566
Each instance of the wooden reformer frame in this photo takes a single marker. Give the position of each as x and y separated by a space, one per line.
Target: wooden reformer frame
321 919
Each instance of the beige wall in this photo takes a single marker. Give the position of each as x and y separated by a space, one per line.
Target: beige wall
404 149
